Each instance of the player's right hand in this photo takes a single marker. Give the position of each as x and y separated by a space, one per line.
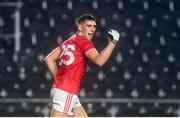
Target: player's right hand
114 35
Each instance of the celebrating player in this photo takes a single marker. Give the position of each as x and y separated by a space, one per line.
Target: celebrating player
73 55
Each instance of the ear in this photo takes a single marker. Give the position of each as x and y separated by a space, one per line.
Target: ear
79 27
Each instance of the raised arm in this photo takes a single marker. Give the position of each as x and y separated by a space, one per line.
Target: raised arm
51 60
101 58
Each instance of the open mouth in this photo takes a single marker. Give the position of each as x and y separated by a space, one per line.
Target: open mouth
90 34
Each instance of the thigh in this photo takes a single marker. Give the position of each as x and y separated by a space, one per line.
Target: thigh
55 113
60 103
80 112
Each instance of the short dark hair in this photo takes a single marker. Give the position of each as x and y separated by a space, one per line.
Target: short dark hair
84 17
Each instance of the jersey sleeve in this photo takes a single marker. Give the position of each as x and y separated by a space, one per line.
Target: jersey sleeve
86 46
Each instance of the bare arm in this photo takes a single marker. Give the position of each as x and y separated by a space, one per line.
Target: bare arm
51 59
100 58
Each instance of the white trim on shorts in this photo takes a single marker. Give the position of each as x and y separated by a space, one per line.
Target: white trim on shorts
63 101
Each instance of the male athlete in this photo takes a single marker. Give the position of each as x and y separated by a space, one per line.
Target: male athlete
73 55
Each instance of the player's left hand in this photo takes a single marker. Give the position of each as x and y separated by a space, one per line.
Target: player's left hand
114 35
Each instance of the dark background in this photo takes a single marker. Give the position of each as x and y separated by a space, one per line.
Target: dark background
142 77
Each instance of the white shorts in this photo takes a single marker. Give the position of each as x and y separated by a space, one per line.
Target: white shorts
63 101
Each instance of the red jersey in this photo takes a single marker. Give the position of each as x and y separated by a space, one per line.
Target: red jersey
72 63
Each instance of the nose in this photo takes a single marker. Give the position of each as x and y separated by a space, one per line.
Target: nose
93 29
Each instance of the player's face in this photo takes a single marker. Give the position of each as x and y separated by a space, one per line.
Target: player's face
87 29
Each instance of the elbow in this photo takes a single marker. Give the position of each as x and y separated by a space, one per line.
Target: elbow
46 59
49 60
100 64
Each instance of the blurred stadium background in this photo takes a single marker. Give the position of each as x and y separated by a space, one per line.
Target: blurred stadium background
142 77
